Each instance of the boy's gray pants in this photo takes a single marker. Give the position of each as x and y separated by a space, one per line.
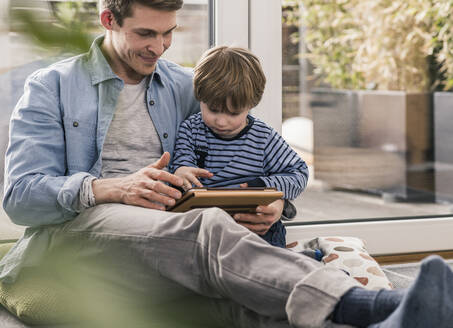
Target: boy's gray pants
167 257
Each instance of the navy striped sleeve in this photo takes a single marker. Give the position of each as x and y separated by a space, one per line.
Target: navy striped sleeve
184 153
285 170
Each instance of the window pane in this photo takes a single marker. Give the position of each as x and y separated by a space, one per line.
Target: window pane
192 36
189 41
21 53
358 106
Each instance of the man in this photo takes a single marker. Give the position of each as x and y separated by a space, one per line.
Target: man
82 138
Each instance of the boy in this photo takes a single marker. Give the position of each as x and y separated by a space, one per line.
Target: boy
224 145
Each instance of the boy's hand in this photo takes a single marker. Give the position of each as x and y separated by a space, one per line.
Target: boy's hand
261 221
190 175
265 216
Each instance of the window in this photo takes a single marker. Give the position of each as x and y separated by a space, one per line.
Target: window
371 150
22 54
291 101
380 218
366 131
191 38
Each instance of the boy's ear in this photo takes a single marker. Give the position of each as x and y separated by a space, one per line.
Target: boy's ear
107 19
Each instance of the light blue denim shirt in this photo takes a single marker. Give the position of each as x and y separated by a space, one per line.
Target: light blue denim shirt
58 128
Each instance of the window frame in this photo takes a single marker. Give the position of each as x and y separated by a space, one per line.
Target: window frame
256 25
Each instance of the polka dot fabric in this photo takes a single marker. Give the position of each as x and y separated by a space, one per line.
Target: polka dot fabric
348 254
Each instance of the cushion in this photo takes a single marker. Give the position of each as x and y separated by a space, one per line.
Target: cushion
4 248
348 254
59 292
36 298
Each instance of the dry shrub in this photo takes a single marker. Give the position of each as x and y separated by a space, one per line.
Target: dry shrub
377 44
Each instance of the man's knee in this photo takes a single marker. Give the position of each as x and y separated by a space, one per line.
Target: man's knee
216 224
216 218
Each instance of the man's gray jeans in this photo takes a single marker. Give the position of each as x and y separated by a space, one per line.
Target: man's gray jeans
168 256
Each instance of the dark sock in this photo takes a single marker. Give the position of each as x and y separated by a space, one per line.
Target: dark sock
386 302
361 307
428 302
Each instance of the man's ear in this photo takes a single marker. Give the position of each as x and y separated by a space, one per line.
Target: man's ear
107 19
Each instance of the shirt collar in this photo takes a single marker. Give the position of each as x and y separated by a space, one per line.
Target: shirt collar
98 66
156 75
250 121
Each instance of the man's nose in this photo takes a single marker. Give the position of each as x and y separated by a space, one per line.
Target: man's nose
157 45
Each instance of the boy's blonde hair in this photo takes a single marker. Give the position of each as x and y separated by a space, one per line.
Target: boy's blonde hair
229 74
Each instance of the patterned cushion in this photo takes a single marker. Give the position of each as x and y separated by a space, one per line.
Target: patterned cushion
348 254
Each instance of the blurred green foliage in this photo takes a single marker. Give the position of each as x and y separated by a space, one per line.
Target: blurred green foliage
377 44
69 27
78 284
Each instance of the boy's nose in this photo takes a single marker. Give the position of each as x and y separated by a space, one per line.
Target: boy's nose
220 120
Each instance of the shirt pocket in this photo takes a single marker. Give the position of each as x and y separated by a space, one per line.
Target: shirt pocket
80 138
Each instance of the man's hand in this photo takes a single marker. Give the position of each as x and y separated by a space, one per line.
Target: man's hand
145 187
265 217
190 176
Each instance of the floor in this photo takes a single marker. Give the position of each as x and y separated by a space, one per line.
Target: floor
319 203
401 275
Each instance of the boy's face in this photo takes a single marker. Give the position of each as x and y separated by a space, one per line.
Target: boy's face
142 39
225 124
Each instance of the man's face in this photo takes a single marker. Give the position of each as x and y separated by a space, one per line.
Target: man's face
224 124
142 39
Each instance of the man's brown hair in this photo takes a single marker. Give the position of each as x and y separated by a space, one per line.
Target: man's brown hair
229 74
123 8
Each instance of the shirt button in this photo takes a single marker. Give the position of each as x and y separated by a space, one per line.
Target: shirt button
165 135
151 102
75 124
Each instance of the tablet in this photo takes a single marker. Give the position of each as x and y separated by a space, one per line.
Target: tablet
237 200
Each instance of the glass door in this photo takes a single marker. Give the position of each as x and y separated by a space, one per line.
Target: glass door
367 181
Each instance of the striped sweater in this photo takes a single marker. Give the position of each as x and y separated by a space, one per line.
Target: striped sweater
258 155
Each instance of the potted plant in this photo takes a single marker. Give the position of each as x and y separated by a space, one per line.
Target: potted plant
373 126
